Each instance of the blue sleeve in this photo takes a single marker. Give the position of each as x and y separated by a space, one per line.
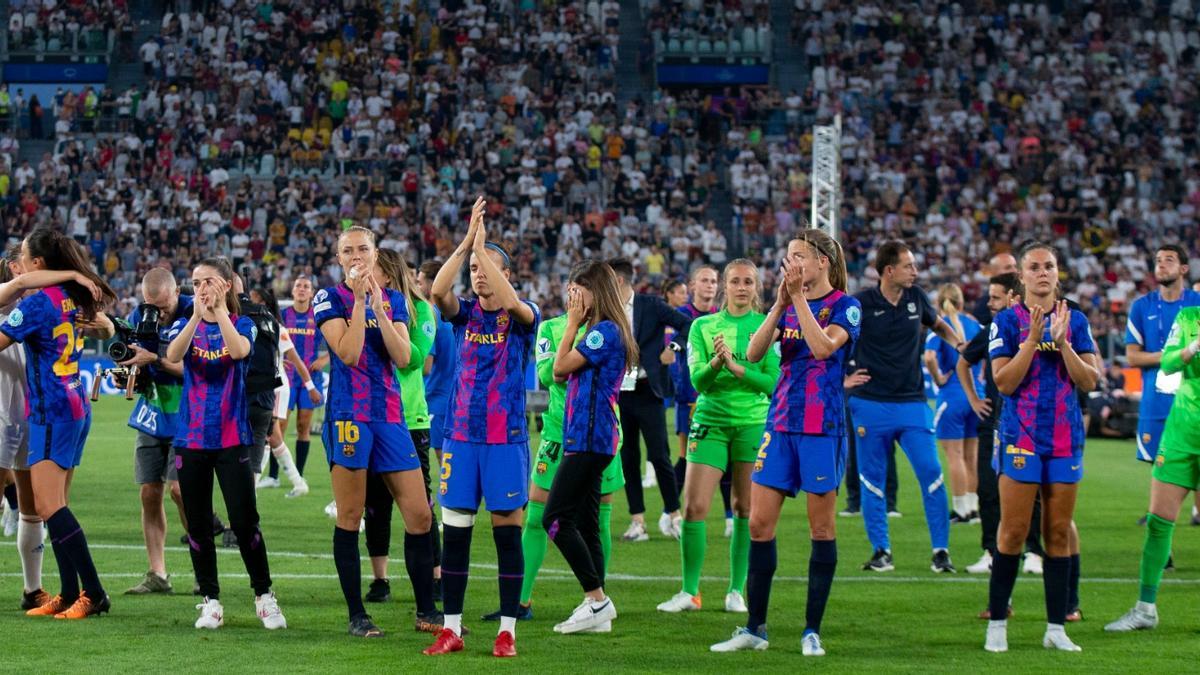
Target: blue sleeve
601 343
1135 326
326 306
399 306
1081 334
135 317
848 314
1004 339
531 329
31 315
176 328
464 312
245 327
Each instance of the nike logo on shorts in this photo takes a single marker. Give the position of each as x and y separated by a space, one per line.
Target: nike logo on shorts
512 494
1075 467
822 477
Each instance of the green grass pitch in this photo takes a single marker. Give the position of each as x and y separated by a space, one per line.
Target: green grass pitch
908 620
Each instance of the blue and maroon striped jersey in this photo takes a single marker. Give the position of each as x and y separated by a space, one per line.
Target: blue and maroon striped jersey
213 414
45 323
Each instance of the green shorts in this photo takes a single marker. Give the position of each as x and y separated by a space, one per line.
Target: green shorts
718 446
545 465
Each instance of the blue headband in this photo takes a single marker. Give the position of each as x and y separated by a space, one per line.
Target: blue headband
496 247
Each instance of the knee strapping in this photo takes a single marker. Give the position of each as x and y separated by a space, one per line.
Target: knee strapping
455 518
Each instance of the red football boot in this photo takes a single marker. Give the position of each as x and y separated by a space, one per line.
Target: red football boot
506 645
445 643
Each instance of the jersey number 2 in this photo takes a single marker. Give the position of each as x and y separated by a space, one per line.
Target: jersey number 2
63 365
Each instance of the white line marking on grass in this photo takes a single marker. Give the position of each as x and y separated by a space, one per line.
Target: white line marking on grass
566 575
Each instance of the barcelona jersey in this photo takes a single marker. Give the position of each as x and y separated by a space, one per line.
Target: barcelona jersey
810 398
591 415
45 323
213 414
306 338
684 391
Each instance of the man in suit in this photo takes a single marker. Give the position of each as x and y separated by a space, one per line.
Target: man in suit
643 393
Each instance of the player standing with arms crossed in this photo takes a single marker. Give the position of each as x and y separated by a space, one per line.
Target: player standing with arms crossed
804 446
730 414
1042 353
486 452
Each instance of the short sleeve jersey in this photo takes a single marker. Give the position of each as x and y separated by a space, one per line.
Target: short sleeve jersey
680 370
306 337
439 383
368 391
549 335
1043 414
890 345
810 398
213 413
591 413
947 360
1150 320
45 324
488 403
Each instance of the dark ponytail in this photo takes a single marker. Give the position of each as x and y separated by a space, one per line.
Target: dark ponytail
61 253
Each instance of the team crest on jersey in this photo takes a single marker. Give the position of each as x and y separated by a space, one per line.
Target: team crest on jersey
1158 461
502 320
541 468
912 307
853 315
862 432
594 340
16 318
823 314
1018 462
348 450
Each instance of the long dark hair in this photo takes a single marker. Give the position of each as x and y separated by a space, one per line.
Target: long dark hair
60 252
225 271
600 279
269 301
395 268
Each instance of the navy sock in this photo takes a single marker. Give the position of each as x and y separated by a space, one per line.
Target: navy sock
68 579
456 563
1004 577
1056 582
418 560
301 455
822 563
10 493
348 562
511 562
763 559
68 535
1073 594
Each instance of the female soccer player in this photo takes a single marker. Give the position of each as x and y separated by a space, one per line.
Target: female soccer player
365 326
51 325
486 451
301 324
727 425
804 446
593 371
213 345
1042 352
391 271
954 418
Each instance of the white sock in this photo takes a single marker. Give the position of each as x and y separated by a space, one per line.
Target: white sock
29 543
1147 608
973 502
508 623
1055 628
959 506
1002 623
284 457
266 461
454 623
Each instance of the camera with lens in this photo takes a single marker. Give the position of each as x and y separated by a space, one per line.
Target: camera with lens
144 333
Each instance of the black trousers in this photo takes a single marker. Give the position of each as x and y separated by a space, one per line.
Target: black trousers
642 415
853 488
572 516
379 501
989 500
231 467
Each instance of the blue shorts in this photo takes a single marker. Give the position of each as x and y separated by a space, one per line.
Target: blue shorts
1025 466
1149 434
59 442
382 447
299 396
683 416
793 462
497 473
955 420
436 430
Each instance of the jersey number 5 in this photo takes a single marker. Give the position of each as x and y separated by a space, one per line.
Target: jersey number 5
63 365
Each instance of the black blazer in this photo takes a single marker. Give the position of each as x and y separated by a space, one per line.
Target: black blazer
651 315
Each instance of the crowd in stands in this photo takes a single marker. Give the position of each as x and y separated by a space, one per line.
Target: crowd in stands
732 29
264 127
70 26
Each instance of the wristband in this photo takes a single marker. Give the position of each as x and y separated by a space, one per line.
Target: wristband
310 386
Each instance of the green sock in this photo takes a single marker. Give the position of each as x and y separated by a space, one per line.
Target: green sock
533 544
739 555
1155 552
692 542
606 533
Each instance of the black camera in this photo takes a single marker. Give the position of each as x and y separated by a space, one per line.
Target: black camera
143 334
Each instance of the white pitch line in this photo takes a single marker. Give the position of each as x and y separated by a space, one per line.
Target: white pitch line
552 574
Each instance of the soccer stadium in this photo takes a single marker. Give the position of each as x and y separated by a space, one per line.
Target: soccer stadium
354 334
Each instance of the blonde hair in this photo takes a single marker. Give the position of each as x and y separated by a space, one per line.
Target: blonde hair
950 301
756 302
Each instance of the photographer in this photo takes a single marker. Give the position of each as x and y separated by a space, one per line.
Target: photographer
159 385
262 377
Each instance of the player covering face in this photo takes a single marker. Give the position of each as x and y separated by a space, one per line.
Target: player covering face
812 326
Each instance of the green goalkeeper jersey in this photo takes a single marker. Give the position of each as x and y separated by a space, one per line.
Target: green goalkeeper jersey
549 335
1185 410
421 331
725 399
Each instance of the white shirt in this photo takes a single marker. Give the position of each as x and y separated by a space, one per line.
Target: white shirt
12 383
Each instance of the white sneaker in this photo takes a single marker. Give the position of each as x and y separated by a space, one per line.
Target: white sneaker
670 527
267 482
331 509
1143 615
741 639
1057 639
10 519
1033 564
267 609
997 637
605 627
810 645
728 527
680 602
636 532
984 565
895 514
734 602
298 490
588 615
212 614
651 479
